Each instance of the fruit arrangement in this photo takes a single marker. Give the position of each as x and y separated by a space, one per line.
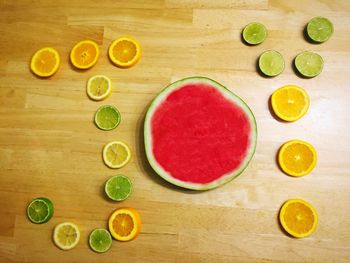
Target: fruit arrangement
195 117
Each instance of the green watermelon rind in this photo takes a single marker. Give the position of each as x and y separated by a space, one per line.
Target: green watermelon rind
148 135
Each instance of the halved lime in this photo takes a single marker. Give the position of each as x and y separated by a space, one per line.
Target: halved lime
40 210
319 29
271 63
118 187
254 33
100 240
309 64
107 117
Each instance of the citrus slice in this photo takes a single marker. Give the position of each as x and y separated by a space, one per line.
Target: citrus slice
118 187
100 240
66 235
319 29
40 210
116 154
107 117
84 54
124 224
254 33
297 158
124 52
271 63
309 64
45 62
290 102
98 87
298 218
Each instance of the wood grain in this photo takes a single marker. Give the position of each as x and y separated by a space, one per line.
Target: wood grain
50 147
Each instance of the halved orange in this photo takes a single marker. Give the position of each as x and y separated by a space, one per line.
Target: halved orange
84 54
297 158
290 102
124 224
124 52
45 62
298 218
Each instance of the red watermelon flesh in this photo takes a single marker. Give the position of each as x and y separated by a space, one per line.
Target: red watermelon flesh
199 135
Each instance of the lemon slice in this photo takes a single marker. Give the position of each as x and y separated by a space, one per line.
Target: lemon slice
66 235
116 154
98 87
124 52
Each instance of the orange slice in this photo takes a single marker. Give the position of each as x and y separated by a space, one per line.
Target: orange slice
124 224
84 54
297 158
298 218
290 102
45 62
124 52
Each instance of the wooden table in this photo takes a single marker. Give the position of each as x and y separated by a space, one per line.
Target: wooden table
49 145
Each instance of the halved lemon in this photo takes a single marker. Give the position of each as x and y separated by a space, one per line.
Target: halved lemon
45 62
290 102
297 158
124 52
124 224
98 87
116 154
84 54
66 235
298 218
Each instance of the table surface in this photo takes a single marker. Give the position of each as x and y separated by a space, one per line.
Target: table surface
49 145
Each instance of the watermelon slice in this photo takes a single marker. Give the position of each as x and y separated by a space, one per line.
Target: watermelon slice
198 134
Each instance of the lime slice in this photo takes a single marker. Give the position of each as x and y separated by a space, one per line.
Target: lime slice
107 117
309 64
271 63
40 210
254 33
118 187
98 87
319 29
100 240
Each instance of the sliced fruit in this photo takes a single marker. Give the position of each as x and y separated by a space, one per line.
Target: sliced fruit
98 87
198 134
84 54
100 240
297 158
290 102
254 33
319 29
118 187
124 52
40 210
45 62
271 63
309 64
116 154
124 224
66 235
298 218
107 117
